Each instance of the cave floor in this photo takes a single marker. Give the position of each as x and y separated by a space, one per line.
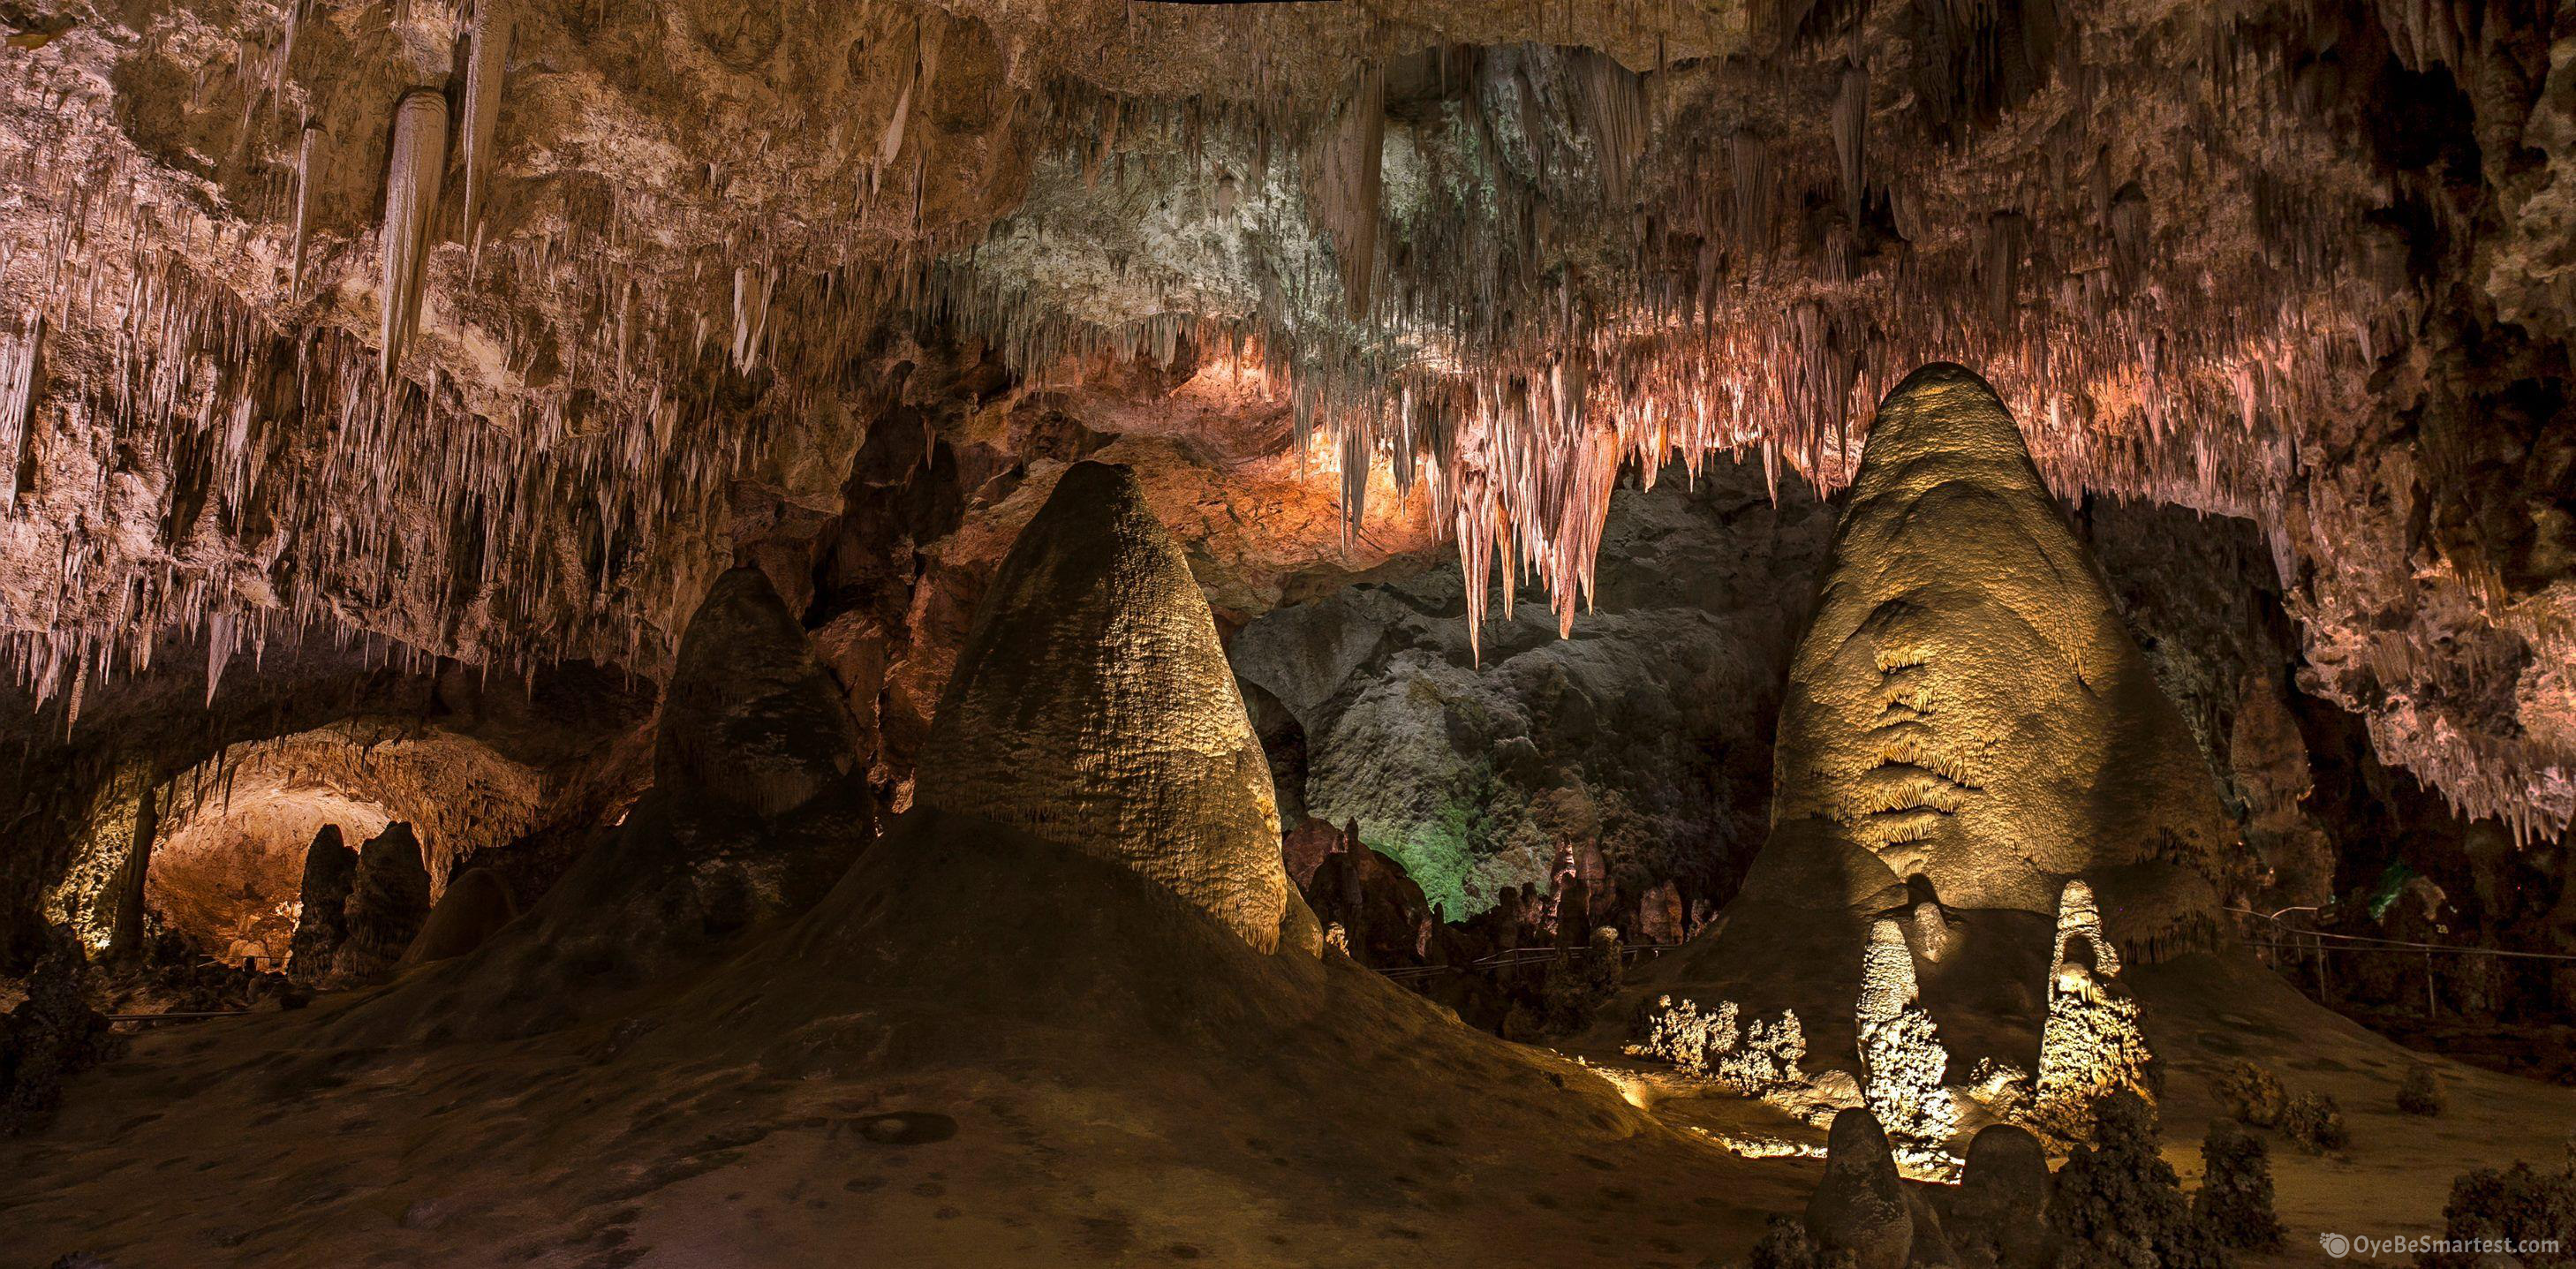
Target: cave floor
858 1090
825 1098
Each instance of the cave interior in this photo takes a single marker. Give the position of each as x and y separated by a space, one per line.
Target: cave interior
1769 633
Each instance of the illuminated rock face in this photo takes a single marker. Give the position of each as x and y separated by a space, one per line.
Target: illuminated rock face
1966 706
1093 706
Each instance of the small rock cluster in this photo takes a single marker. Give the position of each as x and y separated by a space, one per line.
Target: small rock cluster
2115 1203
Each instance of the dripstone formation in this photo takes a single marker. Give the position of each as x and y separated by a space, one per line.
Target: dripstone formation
330 870
1093 706
387 905
757 807
1968 728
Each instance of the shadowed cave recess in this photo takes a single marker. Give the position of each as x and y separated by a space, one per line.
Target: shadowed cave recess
1359 632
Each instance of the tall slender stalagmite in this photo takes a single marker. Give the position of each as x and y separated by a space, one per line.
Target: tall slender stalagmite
411 202
485 67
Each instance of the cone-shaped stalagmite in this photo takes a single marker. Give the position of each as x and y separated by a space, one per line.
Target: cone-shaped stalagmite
750 717
474 904
330 869
1092 706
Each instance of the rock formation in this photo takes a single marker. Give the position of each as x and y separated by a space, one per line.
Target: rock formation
750 719
1861 1206
330 871
1968 727
1901 1059
757 808
50 1036
1092 705
1380 910
475 904
388 902
2092 1043
1999 1213
1966 706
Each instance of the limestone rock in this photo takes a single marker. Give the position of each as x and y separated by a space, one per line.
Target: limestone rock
1968 725
50 1036
386 907
1860 1207
330 870
750 718
1901 1058
1381 910
1966 704
2092 1042
475 904
2000 1210
1092 706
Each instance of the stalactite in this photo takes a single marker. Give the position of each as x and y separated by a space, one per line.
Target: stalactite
21 385
1851 136
1610 107
487 65
1351 182
309 157
2127 221
418 161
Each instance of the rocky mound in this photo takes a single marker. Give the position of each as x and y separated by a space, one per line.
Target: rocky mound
1093 706
759 804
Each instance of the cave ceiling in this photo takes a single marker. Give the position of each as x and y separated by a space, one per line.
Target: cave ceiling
2304 263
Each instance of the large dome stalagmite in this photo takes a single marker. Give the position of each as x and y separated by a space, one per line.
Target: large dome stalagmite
1967 705
1968 725
1093 706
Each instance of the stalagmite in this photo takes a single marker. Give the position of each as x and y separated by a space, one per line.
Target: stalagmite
330 872
1092 706
1968 726
2092 1043
387 904
418 163
2079 925
1859 1208
474 905
750 719
1901 1058
487 64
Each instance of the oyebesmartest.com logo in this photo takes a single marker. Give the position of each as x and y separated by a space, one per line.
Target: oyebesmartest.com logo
2342 1245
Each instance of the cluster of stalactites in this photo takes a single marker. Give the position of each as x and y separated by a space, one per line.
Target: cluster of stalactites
309 478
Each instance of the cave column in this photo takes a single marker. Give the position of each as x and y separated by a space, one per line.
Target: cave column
125 934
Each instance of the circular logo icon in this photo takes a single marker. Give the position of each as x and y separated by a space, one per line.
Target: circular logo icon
2337 1245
